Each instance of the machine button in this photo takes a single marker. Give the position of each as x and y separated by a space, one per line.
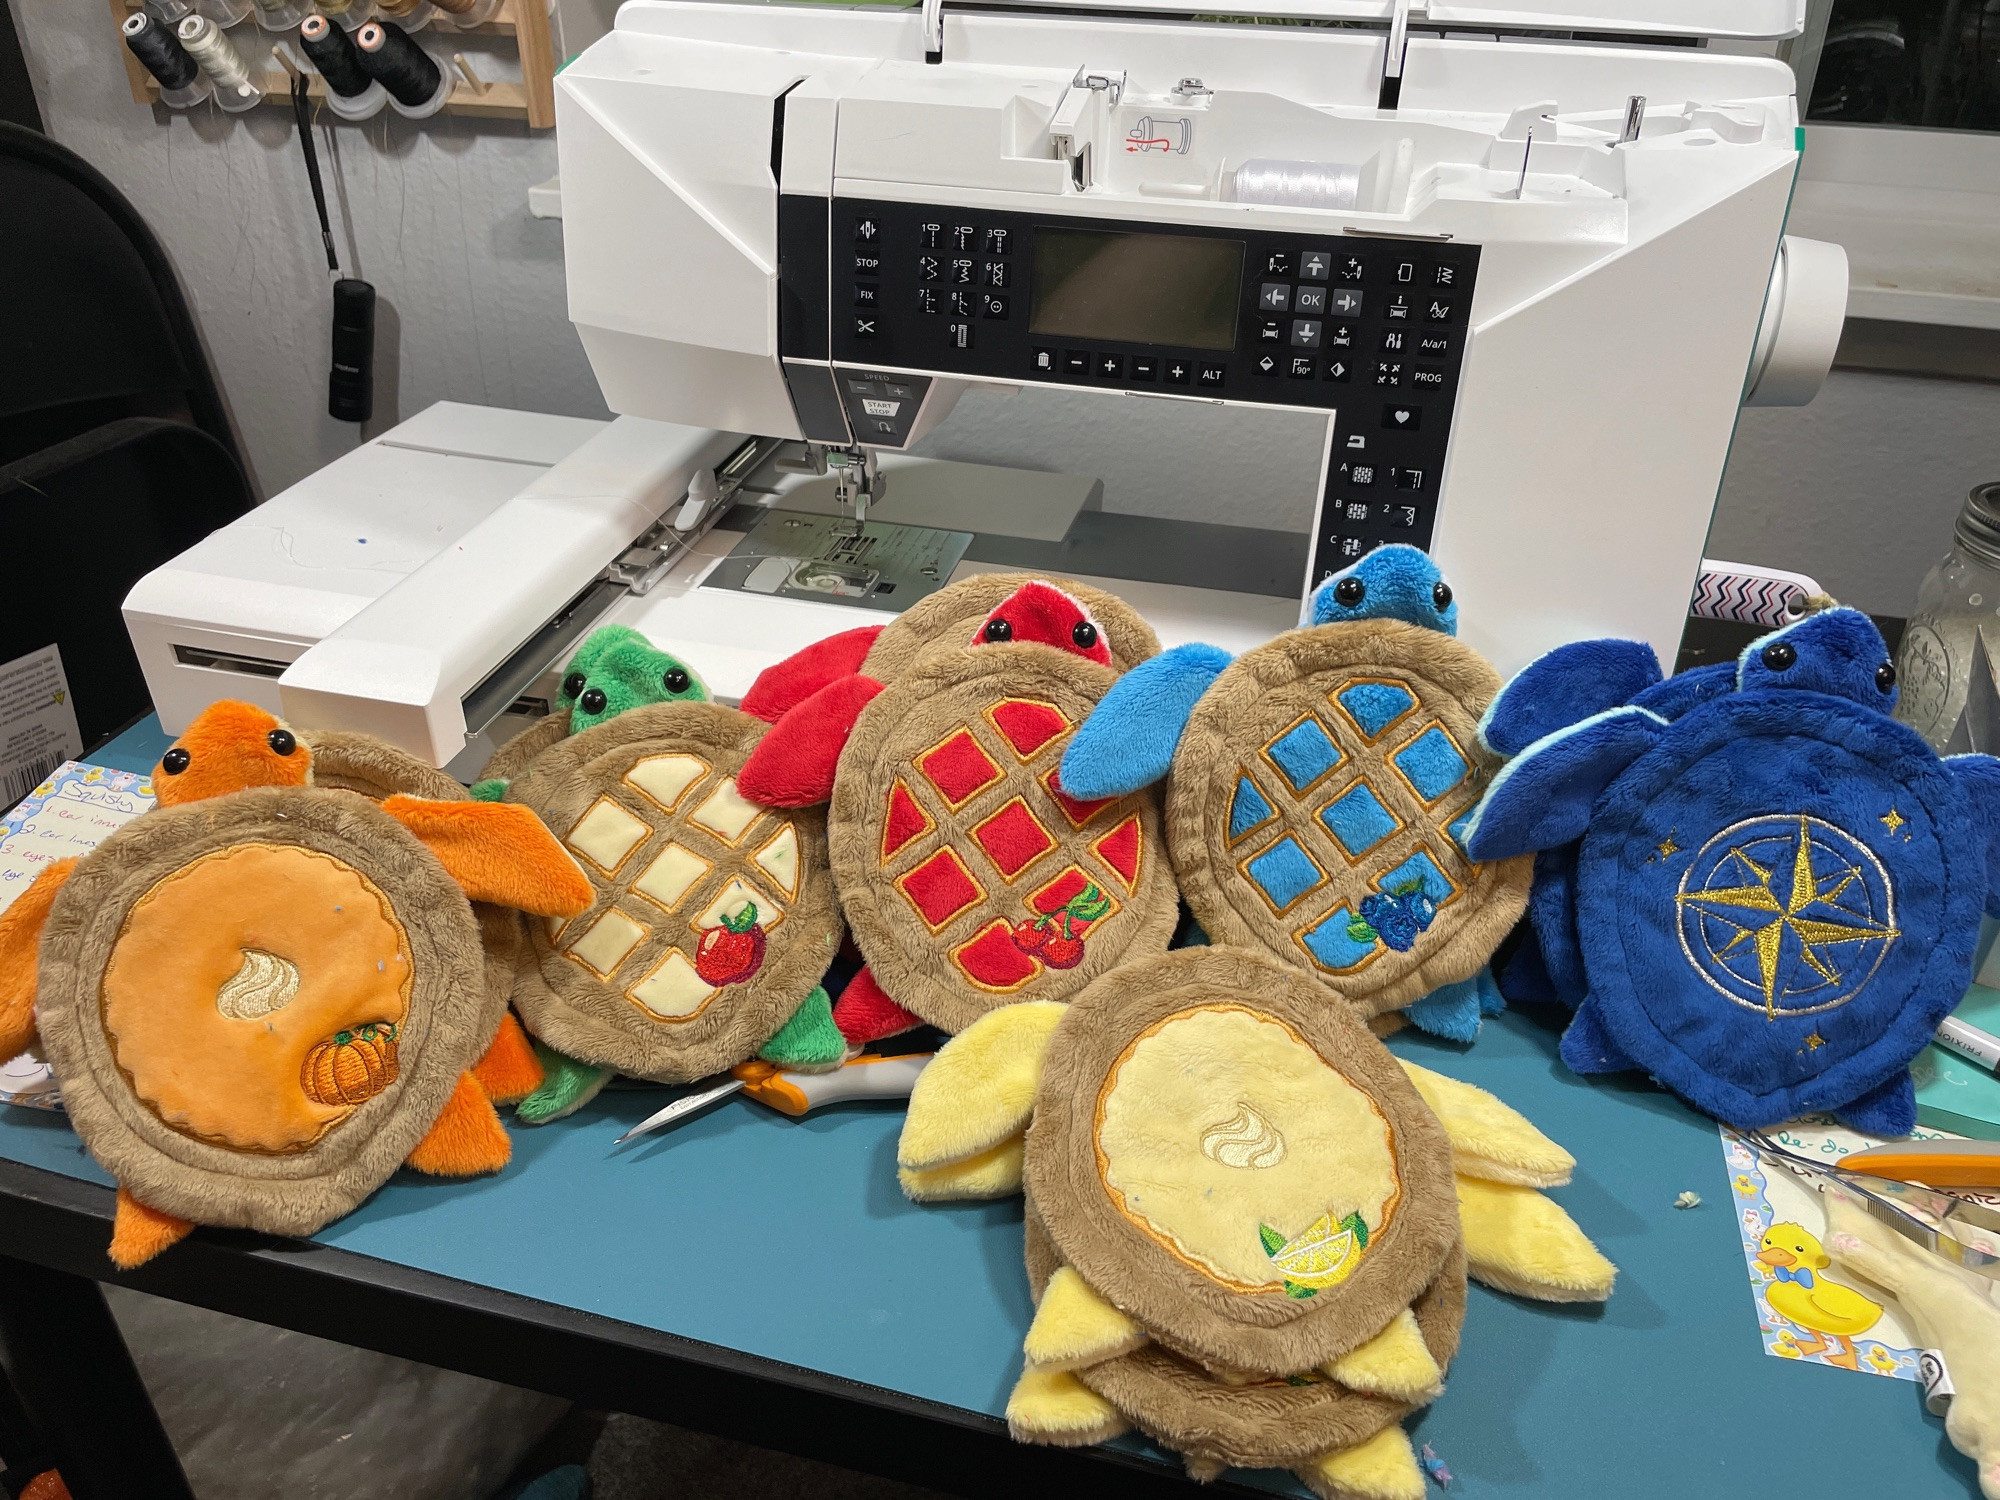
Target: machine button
1110 367
1267 364
1427 378
960 304
900 392
1309 299
865 388
927 300
1315 265
1354 510
927 268
1274 296
1302 367
991 306
997 241
1213 374
1388 372
1075 362
1145 369
995 274
927 236
1340 336
962 236
1438 312
1270 331
1402 418
1360 474
1338 369
1434 345
1348 546
1177 372
1399 308
1278 263
1393 341
1046 362
1403 517
1406 271
1306 332
958 335
867 265
961 272
864 296
1445 276
864 328
867 231
1351 269
1345 302
1407 479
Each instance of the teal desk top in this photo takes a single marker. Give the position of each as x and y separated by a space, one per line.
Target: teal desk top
790 1240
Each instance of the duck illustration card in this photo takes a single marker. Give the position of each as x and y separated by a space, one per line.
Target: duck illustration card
1804 1312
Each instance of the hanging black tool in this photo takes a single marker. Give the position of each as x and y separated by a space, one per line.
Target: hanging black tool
350 383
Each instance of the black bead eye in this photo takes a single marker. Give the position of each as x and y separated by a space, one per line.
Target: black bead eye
998 630
1350 591
593 701
573 685
676 680
1885 676
281 742
174 761
1085 635
1780 655
1441 594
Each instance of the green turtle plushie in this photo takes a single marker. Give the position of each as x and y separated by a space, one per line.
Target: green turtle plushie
712 915
1317 788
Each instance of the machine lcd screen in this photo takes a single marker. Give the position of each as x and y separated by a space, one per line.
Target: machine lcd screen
1174 290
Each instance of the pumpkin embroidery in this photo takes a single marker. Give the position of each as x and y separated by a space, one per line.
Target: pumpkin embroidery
351 1067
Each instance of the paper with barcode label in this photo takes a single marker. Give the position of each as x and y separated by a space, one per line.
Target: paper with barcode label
38 729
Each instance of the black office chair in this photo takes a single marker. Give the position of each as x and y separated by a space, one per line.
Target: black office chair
115 451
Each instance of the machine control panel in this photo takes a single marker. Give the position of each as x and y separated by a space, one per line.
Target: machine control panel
1370 328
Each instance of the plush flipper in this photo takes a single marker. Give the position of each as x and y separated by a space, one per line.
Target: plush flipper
1588 1048
467 1139
20 949
509 1072
1383 1468
1074 1328
1395 1363
781 688
490 790
1130 737
980 1088
990 1174
498 852
1565 687
793 765
1490 1139
809 1042
1980 776
1053 1407
567 1085
865 1013
1887 1109
1522 1242
139 1233
1543 797
1451 1011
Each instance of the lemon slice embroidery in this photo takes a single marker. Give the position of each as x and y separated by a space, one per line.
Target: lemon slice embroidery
1323 1255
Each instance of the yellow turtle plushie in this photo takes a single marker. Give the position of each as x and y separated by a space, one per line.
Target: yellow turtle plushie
263 996
1235 1192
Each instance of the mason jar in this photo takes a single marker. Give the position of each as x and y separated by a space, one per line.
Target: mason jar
1950 693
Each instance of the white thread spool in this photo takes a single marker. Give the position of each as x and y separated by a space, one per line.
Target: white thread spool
222 62
1296 184
281 15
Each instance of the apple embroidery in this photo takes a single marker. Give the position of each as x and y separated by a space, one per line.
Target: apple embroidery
731 953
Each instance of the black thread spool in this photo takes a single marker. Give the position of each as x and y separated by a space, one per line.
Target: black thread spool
180 77
350 92
416 84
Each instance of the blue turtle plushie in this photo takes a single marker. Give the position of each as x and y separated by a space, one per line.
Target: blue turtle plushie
1316 788
1761 889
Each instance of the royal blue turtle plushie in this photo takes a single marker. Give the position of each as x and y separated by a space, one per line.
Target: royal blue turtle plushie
1760 888
1317 787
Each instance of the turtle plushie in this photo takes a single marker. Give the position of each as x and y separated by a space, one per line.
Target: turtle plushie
262 996
1248 1225
1775 894
969 876
1316 788
713 920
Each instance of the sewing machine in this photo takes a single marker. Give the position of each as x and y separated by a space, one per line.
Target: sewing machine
1512 270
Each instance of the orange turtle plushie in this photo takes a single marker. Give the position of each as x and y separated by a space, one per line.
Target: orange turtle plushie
263 996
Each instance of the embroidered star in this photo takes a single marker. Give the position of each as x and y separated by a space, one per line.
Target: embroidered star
1667 846
1809 911
1815 1042
1893 820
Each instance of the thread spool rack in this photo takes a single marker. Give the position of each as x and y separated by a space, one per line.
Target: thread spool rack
531 98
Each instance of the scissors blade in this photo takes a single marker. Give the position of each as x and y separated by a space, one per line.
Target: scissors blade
681 1108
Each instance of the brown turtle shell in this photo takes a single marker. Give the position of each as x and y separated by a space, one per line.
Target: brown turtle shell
952 841
196 960
1341 806
646 802
951 617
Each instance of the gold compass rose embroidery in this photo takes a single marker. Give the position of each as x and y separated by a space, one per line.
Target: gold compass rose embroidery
1801 913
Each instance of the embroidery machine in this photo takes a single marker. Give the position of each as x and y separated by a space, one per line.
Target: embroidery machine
1517 265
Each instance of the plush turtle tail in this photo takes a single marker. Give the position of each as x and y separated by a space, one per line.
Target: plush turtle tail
492 789
20 941
1130 738
467 1139
508 1072
139 1233
865 1013
809 1042
1454 1011
567 1085
1054 1408
1382 1468
972 1104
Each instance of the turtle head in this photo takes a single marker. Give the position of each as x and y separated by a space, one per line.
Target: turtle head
1042 612
617 668
1837 651
1396 582
230 747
